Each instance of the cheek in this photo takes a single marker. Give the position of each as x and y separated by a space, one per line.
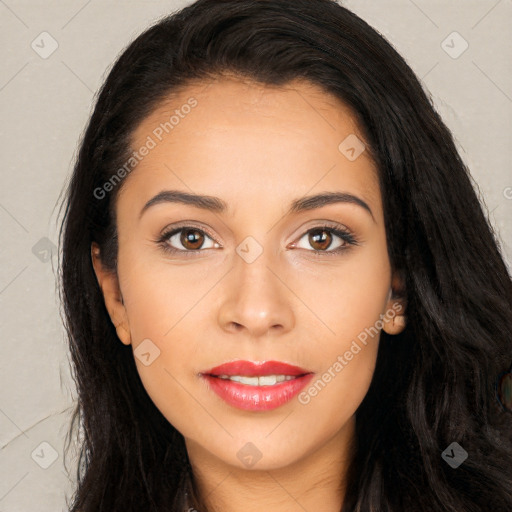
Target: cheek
350 302
334 395
159 298
349 296
160 303
168 378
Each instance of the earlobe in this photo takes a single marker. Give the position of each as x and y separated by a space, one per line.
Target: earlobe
394 324
395 318
109 285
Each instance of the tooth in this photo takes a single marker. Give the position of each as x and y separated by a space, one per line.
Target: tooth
252 381
267 380
263 380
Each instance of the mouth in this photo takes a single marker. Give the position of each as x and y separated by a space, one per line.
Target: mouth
256 386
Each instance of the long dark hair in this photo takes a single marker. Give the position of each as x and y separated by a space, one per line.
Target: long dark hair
434 383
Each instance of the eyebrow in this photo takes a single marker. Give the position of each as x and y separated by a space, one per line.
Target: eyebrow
217 205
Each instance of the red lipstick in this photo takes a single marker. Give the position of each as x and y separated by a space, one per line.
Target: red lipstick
256 386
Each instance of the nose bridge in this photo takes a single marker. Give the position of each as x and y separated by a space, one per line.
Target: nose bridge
254 297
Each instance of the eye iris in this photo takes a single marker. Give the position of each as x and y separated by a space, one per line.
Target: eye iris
318 236
189 236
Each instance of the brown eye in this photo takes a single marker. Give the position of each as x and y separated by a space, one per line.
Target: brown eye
191 239
328 240
320 239
186 240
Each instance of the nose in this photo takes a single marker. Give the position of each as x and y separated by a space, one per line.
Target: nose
256 299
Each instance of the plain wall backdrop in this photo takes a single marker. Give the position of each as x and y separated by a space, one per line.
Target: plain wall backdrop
54 57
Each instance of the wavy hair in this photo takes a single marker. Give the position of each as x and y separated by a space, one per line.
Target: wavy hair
434 383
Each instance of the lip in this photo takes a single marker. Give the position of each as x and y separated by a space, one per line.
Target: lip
256 398
251 369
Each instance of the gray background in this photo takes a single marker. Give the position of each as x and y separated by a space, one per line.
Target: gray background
45 103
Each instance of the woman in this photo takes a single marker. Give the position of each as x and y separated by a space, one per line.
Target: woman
280 288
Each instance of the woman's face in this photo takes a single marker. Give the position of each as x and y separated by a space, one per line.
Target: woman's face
242 280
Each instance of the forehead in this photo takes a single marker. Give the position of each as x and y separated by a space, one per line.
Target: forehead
231 101
283 139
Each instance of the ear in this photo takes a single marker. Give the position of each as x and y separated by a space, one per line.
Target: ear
395 317
109 285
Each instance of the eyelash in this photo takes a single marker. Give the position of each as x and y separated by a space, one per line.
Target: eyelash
335 229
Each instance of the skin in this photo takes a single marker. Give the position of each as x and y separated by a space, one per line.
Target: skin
257 148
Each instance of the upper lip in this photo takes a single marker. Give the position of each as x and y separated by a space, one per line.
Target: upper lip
252 369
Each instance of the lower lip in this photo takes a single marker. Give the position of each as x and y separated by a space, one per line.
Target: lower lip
257 398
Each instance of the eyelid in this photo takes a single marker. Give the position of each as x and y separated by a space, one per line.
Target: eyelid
188 224
176 228
337 229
